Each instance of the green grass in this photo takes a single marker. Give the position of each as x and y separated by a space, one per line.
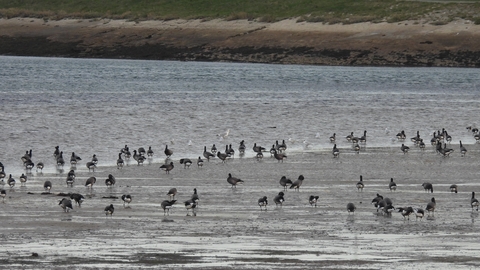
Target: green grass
328 11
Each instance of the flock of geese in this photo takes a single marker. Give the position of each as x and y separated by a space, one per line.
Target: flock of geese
383 205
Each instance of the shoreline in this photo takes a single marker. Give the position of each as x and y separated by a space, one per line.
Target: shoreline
455 44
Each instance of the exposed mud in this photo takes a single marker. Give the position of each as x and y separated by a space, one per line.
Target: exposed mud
229 230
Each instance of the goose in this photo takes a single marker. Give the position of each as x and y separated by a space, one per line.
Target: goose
392 185
282 147
190 204
171 193
377 199
296 185
421 144
127 154
356 148
474 202
284 181
94 159
3 194
167 167
428 187
384 203
66 204
360 184
476 137
448 138
11 181
434 140
222 156
313 200
259 156
447 151
351 208
273 149
406 211
401 135
40 166
234 181
90 182
213 150
120 161
186 162
74 159
70 180
363 139
126 198
242 147
23 179
141 151
124 149
419 213
110 181
2 173
60 160
335 151
56 153
168 152
258 148
78 198
109 210
332 138
230 151
279 199
91 166
349 137
416 139
139 158
405 148
463 150
454 188
166 205
47 186
263 202
150 152
431 206
279 157
29 165
207 154
200 162
195 196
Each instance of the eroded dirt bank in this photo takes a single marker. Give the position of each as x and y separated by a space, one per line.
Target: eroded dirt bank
287 42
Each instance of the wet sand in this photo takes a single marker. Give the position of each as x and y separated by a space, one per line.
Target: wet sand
230 232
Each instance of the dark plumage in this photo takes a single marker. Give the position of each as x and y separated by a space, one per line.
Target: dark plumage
454 188
428 187
335 151
474 202
23 179
279 199
258 148
171 193
392 185
91 166
47 186
11 181
3 194
296 185
109 210
78 198
190 204
120 161
186 162
279 156
200 162
263 202
351 208
166 205
405 211
284 182
149 152
66 204
234 181
110 181
360 184
90 182
195 196
222 156
168 152
126 198
207 154
167 167
431 206
405 148
313 200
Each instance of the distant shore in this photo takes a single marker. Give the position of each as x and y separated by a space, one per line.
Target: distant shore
456 44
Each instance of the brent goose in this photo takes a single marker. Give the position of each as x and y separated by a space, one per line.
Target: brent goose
296 185
94 159
109 210
279 156
91 166
40 166
207 154
313 200
3 194
351 208
11 181
273 149
60 160
377 199
474 202
126 198
213 150
120 161
166 205
392 185
263 202
259 156
222 156
234 181
167 167
56 153
356 148
139 158
195 196
66 204
401 135
23 179
335 151
141 151
405 211
332 138
168 152
454 188
190 204
282 147
47 186
284 181
428 187
360 184
258 148
74 159
230 152
279 199
150 152
186 162
78 198
349 137
200 162
90 182
110 181
363 139
171 193
431 206
419 213
242 147
405 148
463 150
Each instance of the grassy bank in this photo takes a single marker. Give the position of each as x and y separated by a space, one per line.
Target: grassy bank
328 11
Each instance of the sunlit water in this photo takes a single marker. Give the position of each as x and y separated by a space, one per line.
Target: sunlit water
91 106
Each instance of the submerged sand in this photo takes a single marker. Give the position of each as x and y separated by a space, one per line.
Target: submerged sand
230 232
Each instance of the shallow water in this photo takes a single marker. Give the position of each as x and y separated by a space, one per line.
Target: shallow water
91 106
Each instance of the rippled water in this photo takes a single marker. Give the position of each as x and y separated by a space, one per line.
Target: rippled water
92 106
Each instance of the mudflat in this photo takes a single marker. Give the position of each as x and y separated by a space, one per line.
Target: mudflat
228 230
409 43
